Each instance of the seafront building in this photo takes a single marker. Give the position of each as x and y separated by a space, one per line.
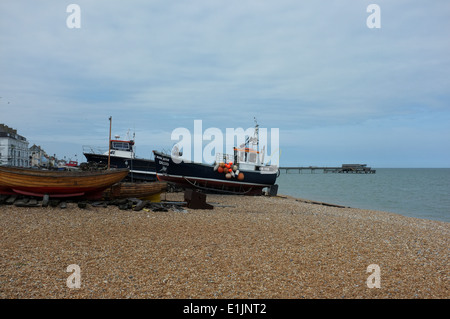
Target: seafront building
39 157
13 148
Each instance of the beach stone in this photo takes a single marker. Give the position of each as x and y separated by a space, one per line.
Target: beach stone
3 198
54 202
82 204
10 200
22 202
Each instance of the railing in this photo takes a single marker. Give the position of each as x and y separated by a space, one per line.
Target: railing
225 158
94 149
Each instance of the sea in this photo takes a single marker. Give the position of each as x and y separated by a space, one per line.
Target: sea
414 192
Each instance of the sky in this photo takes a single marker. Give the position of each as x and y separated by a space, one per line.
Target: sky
337 90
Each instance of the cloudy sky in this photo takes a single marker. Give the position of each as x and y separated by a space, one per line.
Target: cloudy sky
339 91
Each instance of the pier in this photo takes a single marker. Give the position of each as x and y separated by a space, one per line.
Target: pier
344 169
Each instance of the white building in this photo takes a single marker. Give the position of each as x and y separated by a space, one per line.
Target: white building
13 148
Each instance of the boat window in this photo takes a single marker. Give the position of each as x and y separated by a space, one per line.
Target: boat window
121 146
252 157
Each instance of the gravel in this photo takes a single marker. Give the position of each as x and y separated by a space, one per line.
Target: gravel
246 247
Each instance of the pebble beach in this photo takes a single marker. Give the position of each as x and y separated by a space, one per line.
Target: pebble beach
246 247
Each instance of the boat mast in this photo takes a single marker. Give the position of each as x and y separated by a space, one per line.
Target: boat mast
109 143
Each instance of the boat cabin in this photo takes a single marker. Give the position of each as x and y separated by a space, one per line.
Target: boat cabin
246 155
247 158
118 145
122 148
72 164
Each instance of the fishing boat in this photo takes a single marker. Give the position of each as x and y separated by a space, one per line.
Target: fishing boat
240 173
34 182
122 155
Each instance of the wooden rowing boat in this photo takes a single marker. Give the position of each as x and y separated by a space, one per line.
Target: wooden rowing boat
137 190
33 182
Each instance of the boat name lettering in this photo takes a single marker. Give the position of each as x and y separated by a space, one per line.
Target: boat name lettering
268 169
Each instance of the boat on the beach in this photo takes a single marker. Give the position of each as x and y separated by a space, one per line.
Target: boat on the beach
122 155
240 173
134 190
36 182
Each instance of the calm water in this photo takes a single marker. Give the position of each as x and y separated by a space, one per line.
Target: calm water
414 192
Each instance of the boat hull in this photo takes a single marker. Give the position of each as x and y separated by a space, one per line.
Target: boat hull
58 183
140 169
203 176
137 190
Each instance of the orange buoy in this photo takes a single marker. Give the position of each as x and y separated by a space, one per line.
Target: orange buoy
241 176
220 169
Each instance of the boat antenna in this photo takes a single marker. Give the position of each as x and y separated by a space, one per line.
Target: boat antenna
109 143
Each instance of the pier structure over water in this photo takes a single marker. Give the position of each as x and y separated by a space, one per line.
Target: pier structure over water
344 169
